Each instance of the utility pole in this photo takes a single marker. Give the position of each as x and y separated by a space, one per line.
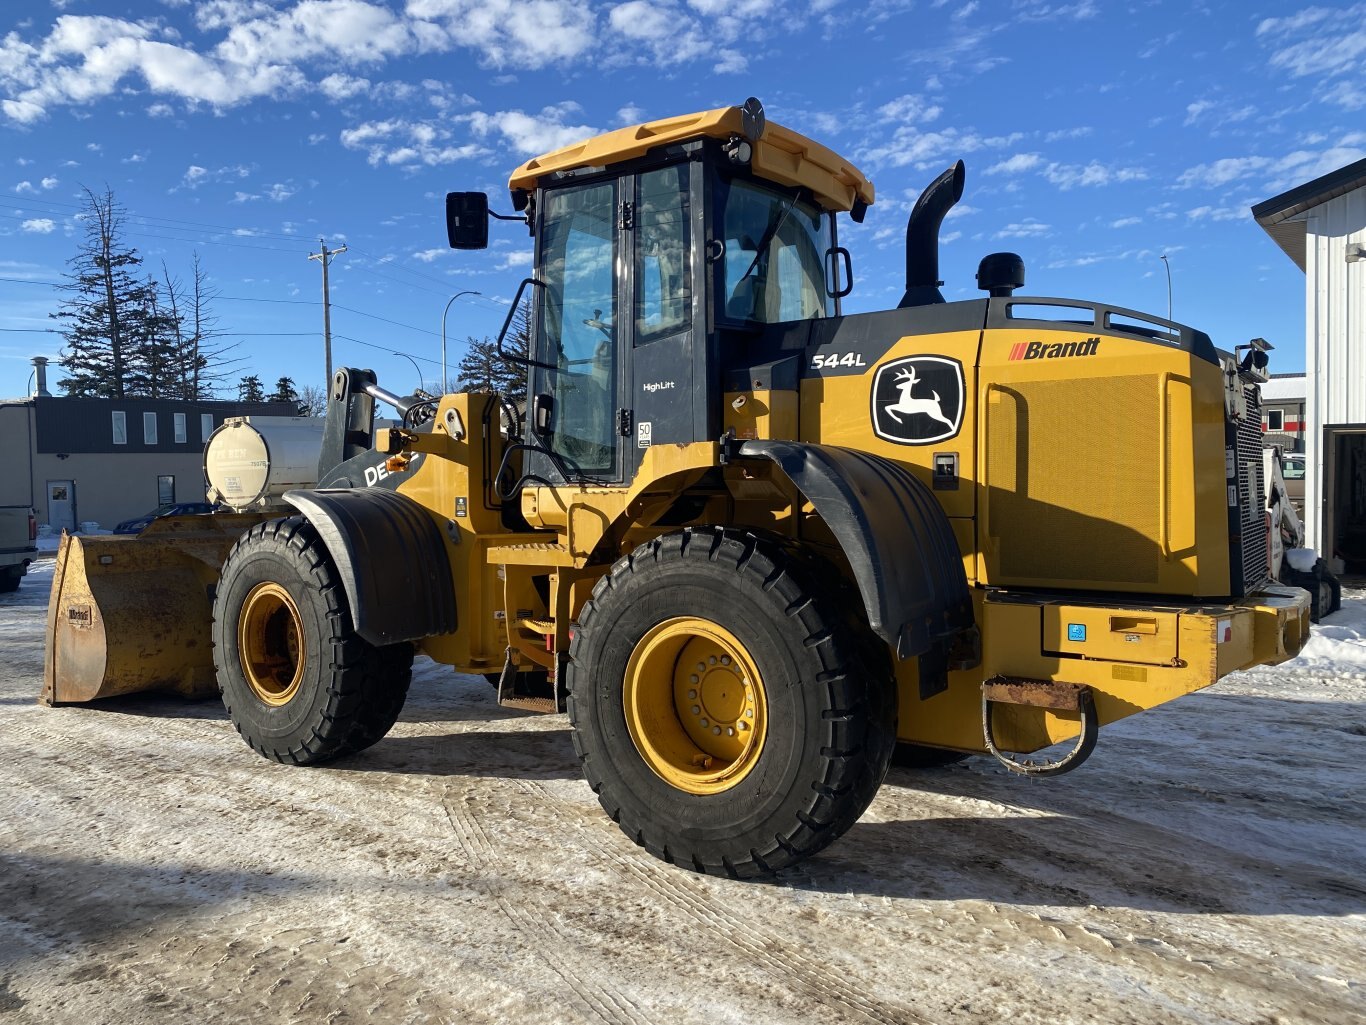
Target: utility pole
445 383
326 257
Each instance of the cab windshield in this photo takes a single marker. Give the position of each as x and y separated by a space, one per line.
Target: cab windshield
774 257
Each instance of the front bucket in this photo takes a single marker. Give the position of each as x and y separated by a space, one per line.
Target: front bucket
133 613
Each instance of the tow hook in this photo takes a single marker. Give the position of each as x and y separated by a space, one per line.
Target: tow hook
1056 697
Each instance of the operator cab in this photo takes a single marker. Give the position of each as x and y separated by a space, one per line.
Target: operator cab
658 249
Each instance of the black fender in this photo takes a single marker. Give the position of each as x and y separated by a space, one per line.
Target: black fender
894 533
391 558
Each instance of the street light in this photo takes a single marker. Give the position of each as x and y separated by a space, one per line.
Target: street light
415 367
445 387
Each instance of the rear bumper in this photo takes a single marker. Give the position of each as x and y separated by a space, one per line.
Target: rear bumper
1280 627
1131 657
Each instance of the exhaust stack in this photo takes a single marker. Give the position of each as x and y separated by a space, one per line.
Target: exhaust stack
922 237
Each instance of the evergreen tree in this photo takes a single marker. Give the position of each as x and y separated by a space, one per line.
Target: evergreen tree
482 369
125 335
250 389
105 302
285 392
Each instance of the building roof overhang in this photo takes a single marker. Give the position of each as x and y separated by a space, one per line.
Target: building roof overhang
1282 217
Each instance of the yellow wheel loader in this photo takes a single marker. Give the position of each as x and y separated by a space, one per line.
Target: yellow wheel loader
755 547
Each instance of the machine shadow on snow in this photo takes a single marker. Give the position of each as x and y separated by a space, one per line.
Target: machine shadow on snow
119 898
1061 862
502 754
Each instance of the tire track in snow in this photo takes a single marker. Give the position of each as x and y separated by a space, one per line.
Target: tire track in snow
602 1000
760 945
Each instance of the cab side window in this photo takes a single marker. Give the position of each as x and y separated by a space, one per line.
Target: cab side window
663 300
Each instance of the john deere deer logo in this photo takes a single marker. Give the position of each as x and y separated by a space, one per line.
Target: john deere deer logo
917 400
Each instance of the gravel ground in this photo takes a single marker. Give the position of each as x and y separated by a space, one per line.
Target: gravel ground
1208 865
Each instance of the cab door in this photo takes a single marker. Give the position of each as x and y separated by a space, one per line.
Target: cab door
671 398
579 346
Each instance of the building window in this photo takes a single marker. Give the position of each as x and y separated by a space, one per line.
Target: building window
149 428
180 436
1275 419
120 419
165 489
205 426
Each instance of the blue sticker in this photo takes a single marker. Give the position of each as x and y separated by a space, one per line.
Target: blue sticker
1076 631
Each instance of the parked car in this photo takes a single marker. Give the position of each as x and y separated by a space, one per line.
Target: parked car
135 526
18 529
1292 469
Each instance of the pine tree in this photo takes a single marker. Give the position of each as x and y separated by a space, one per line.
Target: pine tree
482 369
104 305
250 389
285 392
129 336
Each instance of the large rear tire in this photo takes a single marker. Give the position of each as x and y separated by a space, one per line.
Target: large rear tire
300 685
723 710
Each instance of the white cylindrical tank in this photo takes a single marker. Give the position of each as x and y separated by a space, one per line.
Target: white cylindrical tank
250 461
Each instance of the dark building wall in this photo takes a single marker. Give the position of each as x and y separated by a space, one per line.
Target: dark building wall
78 425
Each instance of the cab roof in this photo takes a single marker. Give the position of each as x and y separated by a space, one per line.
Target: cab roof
779 155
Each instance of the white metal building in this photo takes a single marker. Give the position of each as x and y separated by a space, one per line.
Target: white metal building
1321 225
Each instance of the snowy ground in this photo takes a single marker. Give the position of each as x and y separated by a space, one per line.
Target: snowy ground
1208 865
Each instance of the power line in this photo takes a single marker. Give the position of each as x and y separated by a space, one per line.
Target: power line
385 348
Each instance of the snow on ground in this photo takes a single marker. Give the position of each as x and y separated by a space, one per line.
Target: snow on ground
1207 866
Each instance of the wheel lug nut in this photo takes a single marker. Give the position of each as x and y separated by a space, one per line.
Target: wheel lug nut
716 730
711 659
696 710
692 695
742 725
704 723
725 660
693 678
730 731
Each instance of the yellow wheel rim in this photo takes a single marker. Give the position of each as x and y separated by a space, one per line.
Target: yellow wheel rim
270 644
695 705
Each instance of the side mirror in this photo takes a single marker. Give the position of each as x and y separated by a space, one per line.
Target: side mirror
467 220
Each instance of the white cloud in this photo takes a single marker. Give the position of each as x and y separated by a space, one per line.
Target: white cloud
532 134
1126 222
193 176
1093 174
38 226
630 114
428 255
342 87
1028 228
1222 213
909 109
1194 110
511 261
1221 172
1017 164
24 186
279 193
264 45
399 142
161 110
50 183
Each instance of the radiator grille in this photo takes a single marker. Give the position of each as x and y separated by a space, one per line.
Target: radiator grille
1074 480
1252 495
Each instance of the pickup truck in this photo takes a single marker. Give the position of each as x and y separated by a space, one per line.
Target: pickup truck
18 544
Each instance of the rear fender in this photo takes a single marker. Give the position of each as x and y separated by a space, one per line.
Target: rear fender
894 533
392 560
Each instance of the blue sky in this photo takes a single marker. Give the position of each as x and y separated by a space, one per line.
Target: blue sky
1098 136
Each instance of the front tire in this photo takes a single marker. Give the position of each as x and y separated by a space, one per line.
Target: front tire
723 710
300 685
